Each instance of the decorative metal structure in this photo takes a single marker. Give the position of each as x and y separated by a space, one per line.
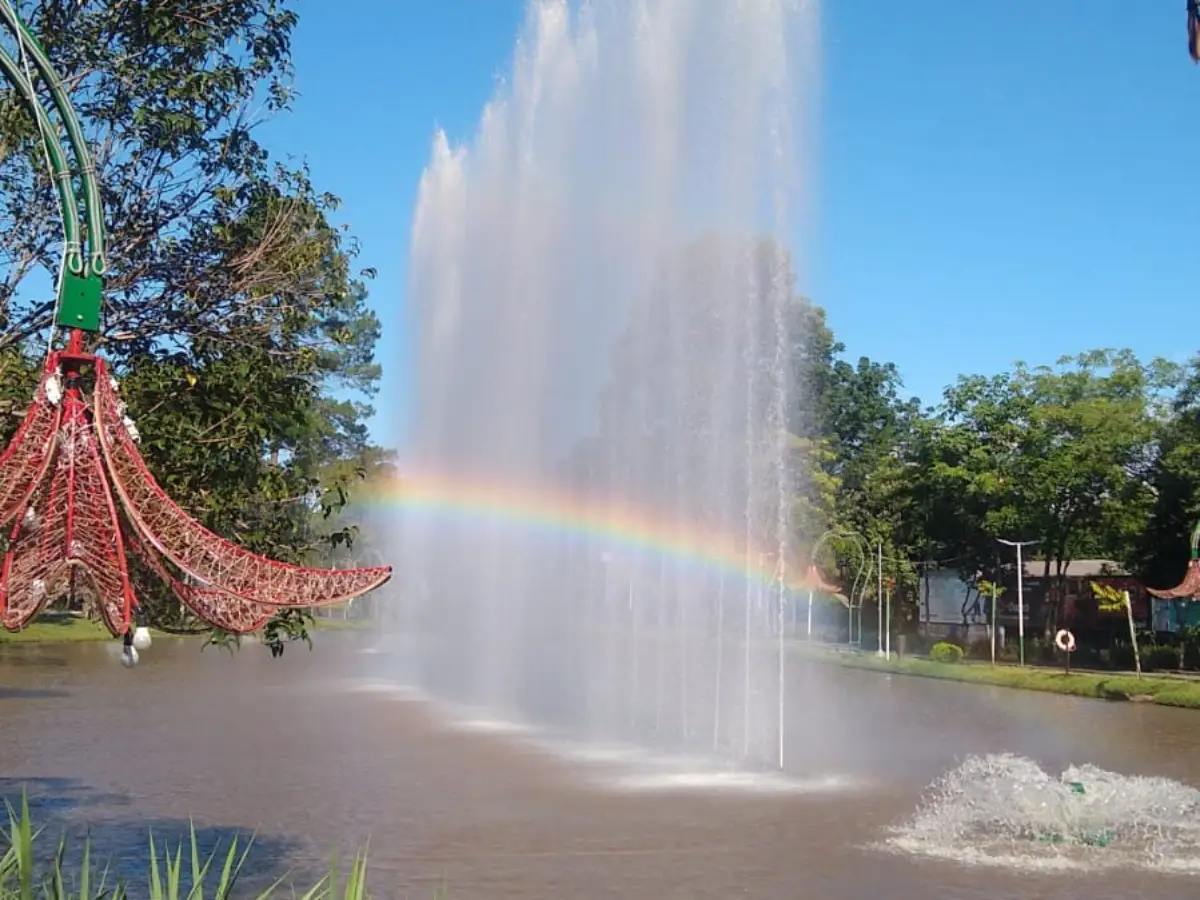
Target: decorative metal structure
1193 29
1190 586
75 494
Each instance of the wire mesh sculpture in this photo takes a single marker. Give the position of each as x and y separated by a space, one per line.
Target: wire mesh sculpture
1189 587
76 497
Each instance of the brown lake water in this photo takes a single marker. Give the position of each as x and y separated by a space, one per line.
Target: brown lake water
316 751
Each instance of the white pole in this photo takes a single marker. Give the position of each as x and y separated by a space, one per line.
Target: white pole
993 624
681 599
879 603
1020 594
888 627
659 636
782 672
1020 606
746 685
1137 656
809 630
720 658
633 694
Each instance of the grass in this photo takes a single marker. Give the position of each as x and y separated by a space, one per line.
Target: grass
330 623
1163 691
57 628
60 629
171 876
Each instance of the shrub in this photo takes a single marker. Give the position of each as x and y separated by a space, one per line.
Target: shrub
946 652
981 650
1159 657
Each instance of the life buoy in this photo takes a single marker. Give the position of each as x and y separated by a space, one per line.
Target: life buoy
1065 641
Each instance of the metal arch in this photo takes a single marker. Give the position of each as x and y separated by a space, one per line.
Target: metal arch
78 190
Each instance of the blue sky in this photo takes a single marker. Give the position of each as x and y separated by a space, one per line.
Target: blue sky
997 181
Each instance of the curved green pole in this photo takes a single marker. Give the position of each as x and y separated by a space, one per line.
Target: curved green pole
61 173
83 158
81 287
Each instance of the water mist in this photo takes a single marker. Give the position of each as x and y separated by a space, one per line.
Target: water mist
603 282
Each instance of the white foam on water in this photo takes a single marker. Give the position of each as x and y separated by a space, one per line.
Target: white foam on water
629 768
1006 811
487 726
403 692
614 766
590 753
725 781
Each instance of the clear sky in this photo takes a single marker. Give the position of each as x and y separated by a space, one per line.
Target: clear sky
997 181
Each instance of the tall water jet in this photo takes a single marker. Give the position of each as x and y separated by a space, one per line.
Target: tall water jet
603 286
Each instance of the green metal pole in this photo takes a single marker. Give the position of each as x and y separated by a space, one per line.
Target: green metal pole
61 173
83 158
82 288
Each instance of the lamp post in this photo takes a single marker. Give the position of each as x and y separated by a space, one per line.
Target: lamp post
879 601
1020 594
887 627
812 568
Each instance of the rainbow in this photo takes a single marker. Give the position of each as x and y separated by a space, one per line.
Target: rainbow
559 511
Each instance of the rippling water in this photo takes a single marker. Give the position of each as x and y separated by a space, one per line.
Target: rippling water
315 750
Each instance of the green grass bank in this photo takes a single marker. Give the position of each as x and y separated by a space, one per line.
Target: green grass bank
58 630
1162 690
63 629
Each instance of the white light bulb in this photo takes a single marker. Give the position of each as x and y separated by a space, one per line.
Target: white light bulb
129 657
141 638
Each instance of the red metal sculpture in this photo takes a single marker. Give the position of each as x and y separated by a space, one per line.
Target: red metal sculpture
70 471
1189 587
75 494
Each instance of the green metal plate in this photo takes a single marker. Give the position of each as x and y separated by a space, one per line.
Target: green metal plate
79 302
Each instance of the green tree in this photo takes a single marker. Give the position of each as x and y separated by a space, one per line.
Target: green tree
869 429
1061 455
1158 551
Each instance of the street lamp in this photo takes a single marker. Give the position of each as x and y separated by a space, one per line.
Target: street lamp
860 546
1020 594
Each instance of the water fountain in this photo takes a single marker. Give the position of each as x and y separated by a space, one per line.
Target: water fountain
604 310
1006 810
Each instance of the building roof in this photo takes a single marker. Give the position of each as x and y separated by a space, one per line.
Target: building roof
1077 568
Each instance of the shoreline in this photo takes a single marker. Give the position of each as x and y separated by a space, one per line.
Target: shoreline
66 629
1161 690
1180 693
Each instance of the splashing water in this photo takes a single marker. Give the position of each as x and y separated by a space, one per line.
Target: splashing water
1006 810
602 282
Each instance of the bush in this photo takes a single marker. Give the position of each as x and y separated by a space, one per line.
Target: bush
946 652
1159 657
981 650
